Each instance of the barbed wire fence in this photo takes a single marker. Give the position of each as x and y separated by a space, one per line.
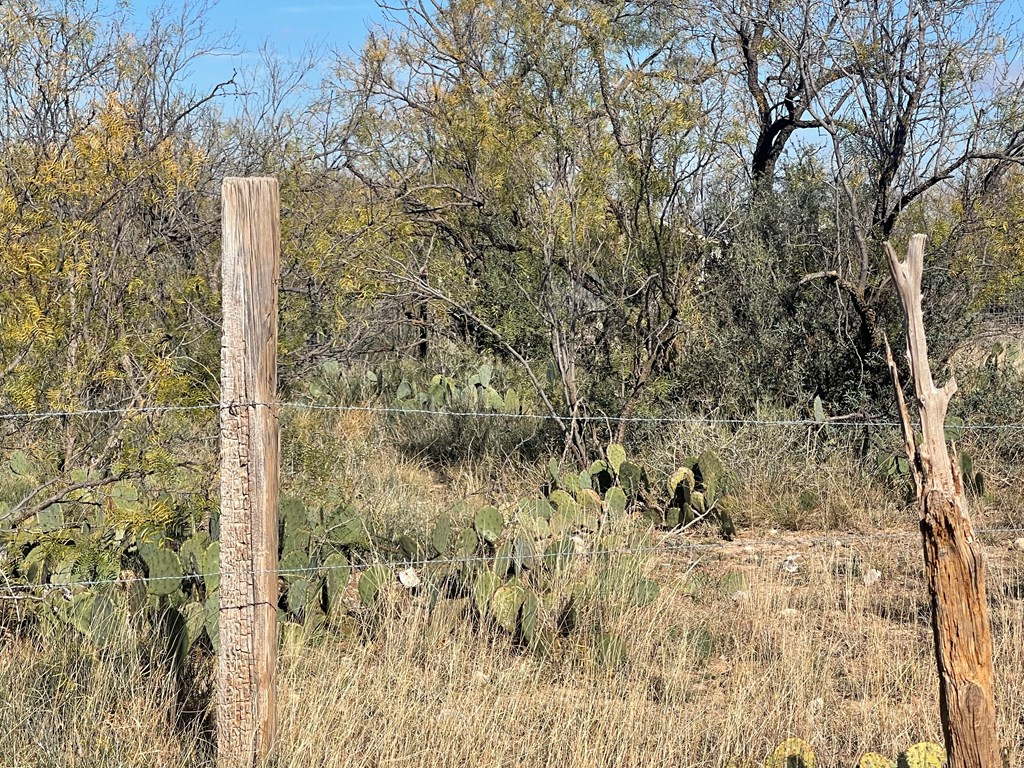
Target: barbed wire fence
852 422
668 547
672 542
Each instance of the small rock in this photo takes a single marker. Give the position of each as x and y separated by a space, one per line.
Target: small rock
749 549
791 563
1018 544
739 596
871 576
790 613
409 578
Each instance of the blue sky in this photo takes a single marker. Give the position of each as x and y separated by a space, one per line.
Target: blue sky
289 26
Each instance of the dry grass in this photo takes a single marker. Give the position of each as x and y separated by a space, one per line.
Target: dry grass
814 653
735 654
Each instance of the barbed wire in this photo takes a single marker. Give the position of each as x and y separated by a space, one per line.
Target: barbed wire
747 547
499 415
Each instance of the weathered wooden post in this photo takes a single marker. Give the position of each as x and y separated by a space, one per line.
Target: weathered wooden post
955 571
250 444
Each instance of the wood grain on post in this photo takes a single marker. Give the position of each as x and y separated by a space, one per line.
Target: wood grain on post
250 445
953 561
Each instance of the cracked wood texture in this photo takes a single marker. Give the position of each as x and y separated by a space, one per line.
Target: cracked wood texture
953 561
250 445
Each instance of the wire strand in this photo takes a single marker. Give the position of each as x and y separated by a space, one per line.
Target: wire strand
396 411
669 547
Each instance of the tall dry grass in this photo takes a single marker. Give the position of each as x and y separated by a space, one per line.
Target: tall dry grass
735 654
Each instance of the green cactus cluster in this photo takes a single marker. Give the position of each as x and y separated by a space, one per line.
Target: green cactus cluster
478 393
507 562
697 493
315 565
797 753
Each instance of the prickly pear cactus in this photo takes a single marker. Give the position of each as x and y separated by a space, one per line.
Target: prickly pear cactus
630 477
211 567
466 543
505 605
616 456
682 475
488 524
589 501
295 534
338 571
615 503
372 582
611 649
875 760
792 753
441 537
709 472
192 553
164 568
486 584
925 754
293 566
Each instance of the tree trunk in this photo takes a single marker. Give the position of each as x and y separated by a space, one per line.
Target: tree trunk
955 571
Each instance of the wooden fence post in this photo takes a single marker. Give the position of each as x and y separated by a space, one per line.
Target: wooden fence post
250 445
953 561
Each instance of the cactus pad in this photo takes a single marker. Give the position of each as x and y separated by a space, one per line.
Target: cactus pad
503 562
163 567
588 500
644 592
611 650
563 501
345 527
875 760
616 456
372 582
294 565
298 593
441 537
536 508
338 570
466 543
558 553
709 472
488 524
792 753
615 503
192 553
211 567
630 477
682 475
924 754
486 584
211 611
505 605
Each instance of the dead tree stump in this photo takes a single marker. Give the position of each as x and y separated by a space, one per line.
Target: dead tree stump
952 556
